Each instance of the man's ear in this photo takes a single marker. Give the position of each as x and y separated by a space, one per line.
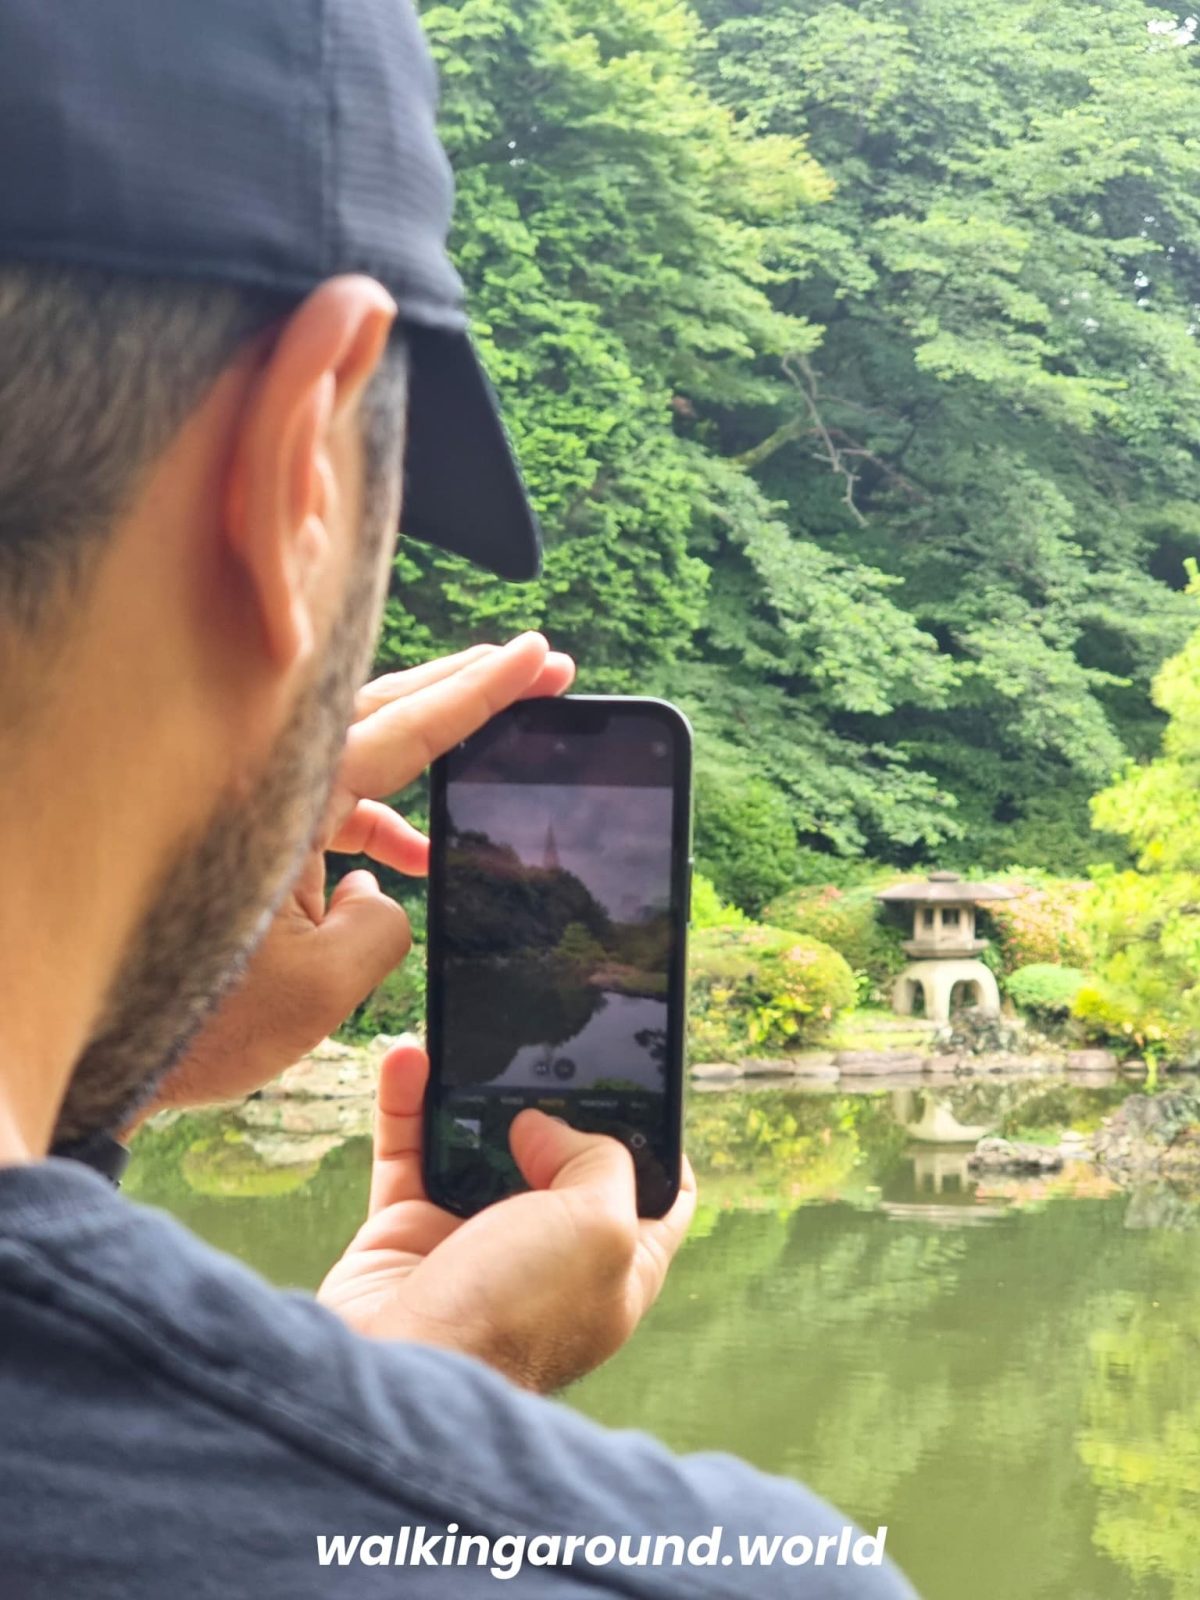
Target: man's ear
286 506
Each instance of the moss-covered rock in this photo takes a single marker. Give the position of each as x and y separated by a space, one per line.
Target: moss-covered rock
763 991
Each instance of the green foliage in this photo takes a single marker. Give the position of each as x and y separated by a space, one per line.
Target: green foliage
981 449
745 841
580 948
709 910
1046 924
1146 920
851 921
615 227
849 352
1046 991
760 991
397 1005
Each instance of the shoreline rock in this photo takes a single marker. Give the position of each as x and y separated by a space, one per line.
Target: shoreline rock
1156 1134
1014 1156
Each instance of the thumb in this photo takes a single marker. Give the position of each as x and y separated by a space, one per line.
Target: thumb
364 934
552 1155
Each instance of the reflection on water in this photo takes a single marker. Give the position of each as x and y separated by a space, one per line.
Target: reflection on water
1018 1401
611 1044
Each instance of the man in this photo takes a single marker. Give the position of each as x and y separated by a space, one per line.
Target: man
223 289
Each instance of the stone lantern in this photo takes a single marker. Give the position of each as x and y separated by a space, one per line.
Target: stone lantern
944 947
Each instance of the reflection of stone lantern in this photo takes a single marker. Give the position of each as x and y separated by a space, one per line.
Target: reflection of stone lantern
944 946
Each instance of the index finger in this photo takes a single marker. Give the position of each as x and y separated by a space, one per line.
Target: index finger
395 744
391 686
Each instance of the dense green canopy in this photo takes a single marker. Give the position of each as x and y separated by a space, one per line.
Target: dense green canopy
850 352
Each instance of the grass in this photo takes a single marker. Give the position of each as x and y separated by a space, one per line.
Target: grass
871 1028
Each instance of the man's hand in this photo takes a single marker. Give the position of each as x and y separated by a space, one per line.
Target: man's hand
544 1286
318 961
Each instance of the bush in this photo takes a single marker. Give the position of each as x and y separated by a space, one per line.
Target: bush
1046 991
745 839
710 911
1122 1018
1046 925
848 919
397 1005
762 991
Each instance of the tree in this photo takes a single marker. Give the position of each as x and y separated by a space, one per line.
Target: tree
1002 416
613 227
1147 918
849 349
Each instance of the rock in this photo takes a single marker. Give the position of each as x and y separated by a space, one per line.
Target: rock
1005 1155
274 1150
816 1066
384 1041
942 1066
1003 1061
316 1078
1151 1132
1091 1061
879 1062
305 1116
333 1050
974 1033
716 1071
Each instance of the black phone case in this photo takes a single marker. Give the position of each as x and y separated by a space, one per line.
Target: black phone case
564 714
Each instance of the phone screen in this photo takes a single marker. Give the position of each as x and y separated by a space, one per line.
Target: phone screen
558 908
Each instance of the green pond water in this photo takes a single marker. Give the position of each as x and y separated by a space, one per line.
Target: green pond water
1007 1374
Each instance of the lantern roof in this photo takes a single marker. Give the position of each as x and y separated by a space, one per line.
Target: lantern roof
946 888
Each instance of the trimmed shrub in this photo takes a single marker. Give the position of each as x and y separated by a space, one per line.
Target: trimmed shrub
848 919
1046 991
760 991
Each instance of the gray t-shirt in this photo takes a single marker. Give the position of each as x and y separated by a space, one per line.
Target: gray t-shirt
173 1428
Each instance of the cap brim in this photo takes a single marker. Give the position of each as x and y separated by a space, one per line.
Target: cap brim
462 487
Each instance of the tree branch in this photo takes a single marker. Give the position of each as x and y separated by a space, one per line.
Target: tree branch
798 370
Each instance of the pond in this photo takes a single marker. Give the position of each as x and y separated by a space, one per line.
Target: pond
1005 1372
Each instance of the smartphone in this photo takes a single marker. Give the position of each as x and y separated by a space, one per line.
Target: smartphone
559 890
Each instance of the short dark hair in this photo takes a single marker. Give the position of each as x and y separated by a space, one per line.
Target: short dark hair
98 372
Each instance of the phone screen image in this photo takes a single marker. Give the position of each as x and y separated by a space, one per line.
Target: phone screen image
558 904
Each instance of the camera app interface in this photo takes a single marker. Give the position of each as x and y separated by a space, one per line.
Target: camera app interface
557 941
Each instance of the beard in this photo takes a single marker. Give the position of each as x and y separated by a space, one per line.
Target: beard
218 898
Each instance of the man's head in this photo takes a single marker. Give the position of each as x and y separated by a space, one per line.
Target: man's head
199 488
210 216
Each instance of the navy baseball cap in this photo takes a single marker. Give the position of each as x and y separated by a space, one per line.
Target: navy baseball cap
272 143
